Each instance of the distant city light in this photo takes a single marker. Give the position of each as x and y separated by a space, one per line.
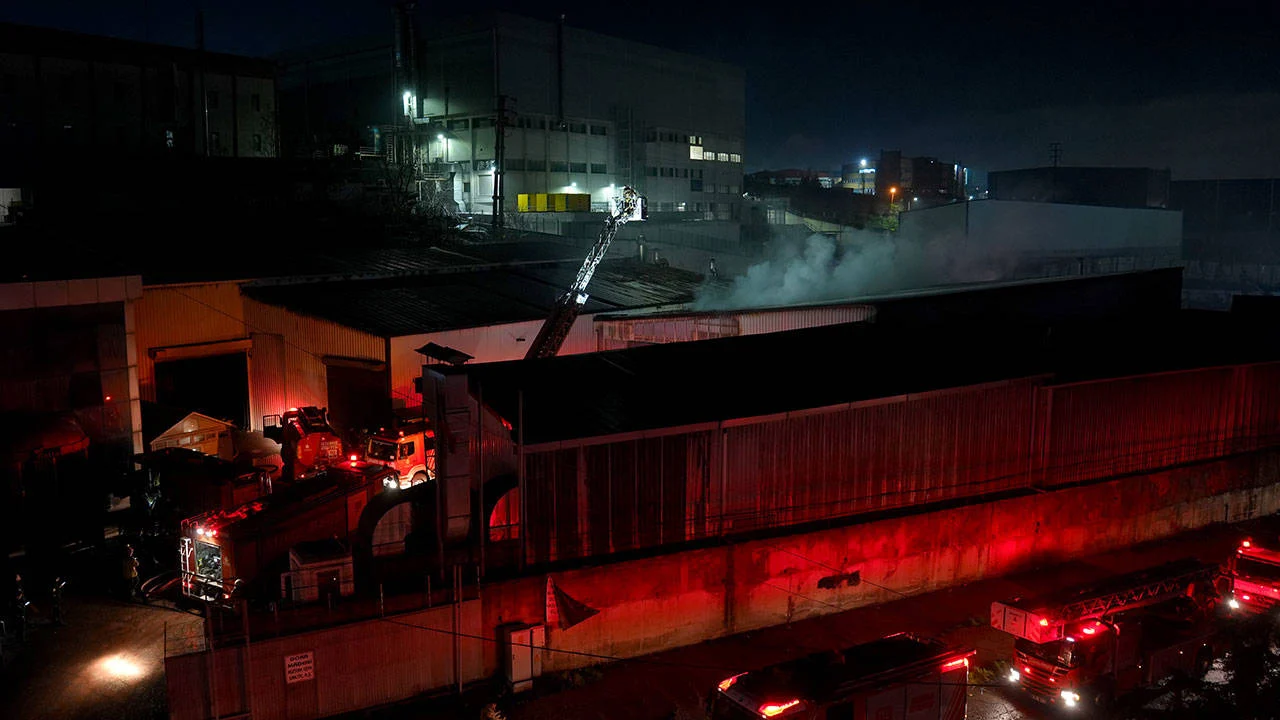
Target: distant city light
863 162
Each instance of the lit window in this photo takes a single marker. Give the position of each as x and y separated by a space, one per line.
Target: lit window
722 157
695 152
735 157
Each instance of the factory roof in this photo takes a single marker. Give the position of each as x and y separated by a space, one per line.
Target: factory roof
688 383
491 296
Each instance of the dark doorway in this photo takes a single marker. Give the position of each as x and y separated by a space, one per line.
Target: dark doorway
217 386
357 398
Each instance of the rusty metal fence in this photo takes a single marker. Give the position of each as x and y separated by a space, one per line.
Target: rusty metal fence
607 495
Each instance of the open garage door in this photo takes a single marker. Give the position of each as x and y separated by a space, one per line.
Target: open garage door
217 386
358 396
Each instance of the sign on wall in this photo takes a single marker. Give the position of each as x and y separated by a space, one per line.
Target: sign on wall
299 668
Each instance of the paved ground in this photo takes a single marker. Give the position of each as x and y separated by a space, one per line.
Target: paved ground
672 684
106 662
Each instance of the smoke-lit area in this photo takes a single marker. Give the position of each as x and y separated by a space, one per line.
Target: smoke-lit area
857 264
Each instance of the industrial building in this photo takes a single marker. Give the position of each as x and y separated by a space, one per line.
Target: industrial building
69 400
695 490
918 181
581 113
73 96
1112 187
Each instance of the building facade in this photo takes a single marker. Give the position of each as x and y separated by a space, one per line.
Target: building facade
503 105
66 95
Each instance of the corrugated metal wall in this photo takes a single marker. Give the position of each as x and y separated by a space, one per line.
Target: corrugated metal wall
605 495
305 340
169 316
619 333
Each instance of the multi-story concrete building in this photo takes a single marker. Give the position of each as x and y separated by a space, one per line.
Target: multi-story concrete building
578 112
67 95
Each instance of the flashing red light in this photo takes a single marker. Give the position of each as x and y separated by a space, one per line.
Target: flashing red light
727 683
506 424
1044 622
954 664
1026 669
770 709
1246 543
1245 597
401 433
430 433
355 458
108 398
293 409
213 533
1089 630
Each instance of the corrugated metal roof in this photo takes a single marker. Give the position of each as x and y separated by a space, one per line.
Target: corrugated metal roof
412 306
686 383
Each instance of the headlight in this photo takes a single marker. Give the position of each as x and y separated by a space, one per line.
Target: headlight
1233 604
1070 698
1014 676
389 482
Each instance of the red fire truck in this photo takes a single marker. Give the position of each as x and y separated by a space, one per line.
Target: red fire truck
1083 647
895 677
410 449
1255 578
308 442
224 552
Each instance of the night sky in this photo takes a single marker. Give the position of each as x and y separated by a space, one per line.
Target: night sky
1190 86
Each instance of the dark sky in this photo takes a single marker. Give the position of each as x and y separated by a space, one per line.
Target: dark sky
1193 86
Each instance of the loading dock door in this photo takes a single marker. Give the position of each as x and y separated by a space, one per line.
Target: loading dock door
357 397
217 386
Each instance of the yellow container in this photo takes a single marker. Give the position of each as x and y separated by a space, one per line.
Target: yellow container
578 202
522 202
561 202
540 202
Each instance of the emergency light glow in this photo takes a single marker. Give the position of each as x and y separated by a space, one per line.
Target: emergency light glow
961 662
1246 598
1070 698
727 683
1089 630
1233 604
200 531
1246 543
1014 676
354 458
771 709
1044 622
293 409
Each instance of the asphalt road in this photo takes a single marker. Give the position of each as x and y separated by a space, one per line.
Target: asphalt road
106 662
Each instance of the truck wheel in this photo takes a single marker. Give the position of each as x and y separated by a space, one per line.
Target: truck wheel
418 478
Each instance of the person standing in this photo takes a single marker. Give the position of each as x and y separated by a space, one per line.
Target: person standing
55 599
131 572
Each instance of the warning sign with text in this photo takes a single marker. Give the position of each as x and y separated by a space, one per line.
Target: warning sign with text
299 668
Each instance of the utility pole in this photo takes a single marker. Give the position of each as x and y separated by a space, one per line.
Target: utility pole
499 159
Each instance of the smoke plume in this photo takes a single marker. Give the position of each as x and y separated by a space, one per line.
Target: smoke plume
857 264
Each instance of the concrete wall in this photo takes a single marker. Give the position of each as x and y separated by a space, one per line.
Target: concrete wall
1018 228
688 597
682 598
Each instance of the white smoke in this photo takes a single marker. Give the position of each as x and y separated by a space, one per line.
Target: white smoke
857 264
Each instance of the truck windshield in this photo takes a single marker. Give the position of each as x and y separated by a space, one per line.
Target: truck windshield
1257 569
209 561
382 450
1059 652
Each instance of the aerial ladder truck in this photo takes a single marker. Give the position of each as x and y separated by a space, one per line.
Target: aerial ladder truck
1255 575
1083 647
623 209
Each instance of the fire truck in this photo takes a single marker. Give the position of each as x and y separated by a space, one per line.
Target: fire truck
308 442
226 554
409 449
1255 579
895 677
1084 647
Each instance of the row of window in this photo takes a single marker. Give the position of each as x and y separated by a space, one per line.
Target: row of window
215 141
538 165
672 172
697 186
212 100
696 152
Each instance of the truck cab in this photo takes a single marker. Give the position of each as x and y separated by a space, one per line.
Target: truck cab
1255 579
409 450
895 677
